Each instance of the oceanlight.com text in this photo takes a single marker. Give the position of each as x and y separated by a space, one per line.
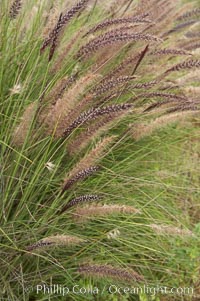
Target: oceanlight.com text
113 289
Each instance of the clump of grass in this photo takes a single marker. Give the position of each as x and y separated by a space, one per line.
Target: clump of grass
66 118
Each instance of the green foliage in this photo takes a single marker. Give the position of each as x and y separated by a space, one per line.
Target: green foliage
157 173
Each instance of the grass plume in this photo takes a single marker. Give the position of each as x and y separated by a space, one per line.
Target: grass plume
22 129
93 114
170 230
108 271
64 18
83 214
54 241
113 38
81 175
189 64
111 22
64 102
15 8
81 200
146 129
85 166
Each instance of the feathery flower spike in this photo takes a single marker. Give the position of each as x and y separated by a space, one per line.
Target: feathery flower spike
15 8
81 200
108 271
81 175
94 113
57 240
110 22
62 21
